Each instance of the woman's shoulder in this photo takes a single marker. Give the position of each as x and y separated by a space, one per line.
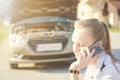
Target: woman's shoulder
110 71
109 68
109 62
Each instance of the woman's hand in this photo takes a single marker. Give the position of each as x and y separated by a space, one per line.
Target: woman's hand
83 59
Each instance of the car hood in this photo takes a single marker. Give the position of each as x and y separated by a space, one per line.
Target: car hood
22 9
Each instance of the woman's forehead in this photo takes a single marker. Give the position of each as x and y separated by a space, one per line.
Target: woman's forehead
81 35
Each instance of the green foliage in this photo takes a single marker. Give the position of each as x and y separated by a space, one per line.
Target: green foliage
4 30
114 29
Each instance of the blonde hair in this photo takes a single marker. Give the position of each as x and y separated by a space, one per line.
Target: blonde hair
98 31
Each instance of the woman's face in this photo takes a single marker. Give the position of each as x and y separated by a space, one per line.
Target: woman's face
81 39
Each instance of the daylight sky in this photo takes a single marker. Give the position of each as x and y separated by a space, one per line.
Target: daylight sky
4 7
4 2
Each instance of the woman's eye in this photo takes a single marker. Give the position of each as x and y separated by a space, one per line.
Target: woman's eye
81 45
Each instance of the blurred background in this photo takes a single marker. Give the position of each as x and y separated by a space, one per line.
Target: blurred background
110 13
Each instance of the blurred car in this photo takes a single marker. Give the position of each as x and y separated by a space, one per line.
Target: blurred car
41 37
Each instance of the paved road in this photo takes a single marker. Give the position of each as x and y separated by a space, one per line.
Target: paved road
52 72
47 72
115 43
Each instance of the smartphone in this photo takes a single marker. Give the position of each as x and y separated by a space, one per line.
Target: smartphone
97 46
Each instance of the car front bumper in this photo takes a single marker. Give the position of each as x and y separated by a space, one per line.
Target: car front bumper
43 59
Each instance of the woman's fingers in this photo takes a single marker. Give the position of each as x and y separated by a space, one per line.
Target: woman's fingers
76 55
90 54
85 54
84 57
87 50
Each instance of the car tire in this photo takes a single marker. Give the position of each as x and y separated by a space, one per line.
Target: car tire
14 66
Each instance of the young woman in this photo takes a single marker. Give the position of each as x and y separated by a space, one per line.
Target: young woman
103 66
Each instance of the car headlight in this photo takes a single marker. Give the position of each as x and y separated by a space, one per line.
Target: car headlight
17 40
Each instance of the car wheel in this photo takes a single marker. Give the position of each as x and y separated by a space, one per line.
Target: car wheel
14 66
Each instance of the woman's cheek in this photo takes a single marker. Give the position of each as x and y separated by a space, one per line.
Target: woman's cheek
76 49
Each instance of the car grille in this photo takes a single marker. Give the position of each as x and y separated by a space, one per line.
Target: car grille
34 42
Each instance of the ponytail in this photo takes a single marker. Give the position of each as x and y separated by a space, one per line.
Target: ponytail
108 48
106 42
